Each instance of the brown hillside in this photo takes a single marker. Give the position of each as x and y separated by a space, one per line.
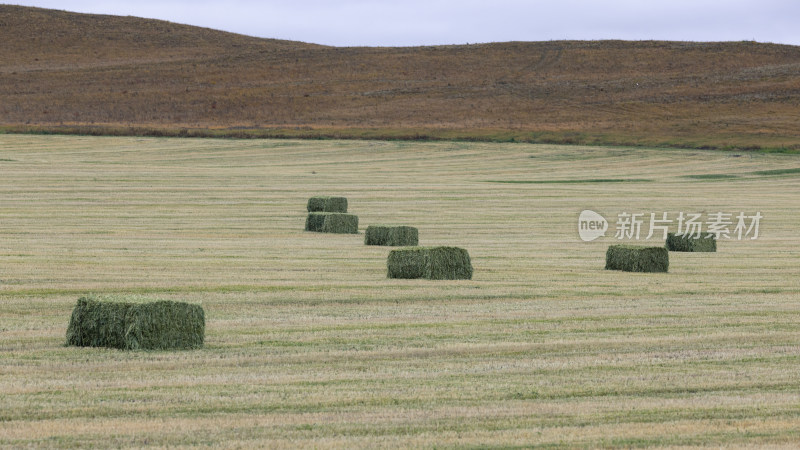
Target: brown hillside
59 69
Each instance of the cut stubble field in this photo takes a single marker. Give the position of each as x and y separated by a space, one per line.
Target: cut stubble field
309 344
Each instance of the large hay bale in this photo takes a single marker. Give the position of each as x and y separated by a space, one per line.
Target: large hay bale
637 258
688 243
315 221
433 263
340 223
332 222
327 204
133 323
391 235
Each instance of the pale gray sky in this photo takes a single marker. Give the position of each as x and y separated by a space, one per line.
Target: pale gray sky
433 22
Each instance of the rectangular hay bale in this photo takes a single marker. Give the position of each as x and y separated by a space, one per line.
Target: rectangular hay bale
324 222
136 323
327 204
637 258
432 263
688 243
315 221
391 235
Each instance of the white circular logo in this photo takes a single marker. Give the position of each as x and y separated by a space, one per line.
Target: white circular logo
591 225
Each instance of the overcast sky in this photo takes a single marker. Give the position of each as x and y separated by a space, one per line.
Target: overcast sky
433 22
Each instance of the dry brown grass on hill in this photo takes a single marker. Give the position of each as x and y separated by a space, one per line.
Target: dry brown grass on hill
59 68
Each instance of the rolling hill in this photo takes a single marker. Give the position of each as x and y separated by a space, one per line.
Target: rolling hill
69 72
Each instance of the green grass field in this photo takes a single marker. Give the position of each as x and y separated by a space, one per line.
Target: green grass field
308 344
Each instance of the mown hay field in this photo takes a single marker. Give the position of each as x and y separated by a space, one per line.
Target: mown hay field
309 344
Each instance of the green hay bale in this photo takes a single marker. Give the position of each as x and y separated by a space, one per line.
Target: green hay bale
134 323
327 204
391 235
684 243
340 223
315 221
636 258
332 222
433 263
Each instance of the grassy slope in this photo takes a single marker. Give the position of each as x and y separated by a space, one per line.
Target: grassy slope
310 345
61 70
